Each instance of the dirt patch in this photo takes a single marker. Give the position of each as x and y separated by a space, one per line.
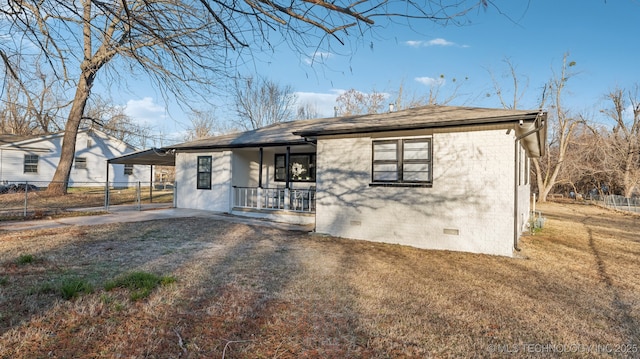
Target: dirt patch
246 291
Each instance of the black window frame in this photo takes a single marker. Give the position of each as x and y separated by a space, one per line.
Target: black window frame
203 177
280 171
128 170
399 163
30 164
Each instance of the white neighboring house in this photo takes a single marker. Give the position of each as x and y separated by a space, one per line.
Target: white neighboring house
34 160
435 177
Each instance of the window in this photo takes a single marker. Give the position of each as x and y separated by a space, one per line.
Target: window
81 163
204 172
30 163
302 167
128 170
402 161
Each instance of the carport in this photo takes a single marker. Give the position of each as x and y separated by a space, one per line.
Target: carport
150 157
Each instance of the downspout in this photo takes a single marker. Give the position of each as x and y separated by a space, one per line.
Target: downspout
539 126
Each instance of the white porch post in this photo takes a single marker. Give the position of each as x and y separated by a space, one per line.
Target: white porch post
287 164
259 193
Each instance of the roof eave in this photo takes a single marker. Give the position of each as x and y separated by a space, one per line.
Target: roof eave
420 126
301 141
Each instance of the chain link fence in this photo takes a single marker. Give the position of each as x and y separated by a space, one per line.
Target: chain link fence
30 199
617 202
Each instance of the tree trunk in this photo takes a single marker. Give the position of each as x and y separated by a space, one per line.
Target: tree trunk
628 180
60 181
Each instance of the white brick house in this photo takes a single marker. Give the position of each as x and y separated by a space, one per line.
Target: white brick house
436 177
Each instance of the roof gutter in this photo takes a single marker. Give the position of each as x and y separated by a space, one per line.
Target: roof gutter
302 141
418 126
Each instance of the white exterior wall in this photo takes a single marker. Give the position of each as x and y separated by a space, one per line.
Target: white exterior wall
94 146
218 198
470 206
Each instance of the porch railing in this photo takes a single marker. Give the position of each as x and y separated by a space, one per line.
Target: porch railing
297 200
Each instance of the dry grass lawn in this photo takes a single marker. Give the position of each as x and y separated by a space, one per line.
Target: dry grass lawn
255 292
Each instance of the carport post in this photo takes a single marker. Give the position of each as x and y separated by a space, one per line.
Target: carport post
106 191
26 197
138 197
151 184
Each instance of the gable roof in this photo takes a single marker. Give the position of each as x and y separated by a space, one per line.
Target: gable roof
425 117
7 138
24 142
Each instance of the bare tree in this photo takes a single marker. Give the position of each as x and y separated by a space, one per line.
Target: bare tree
516 93
353 102
115 122
307 111
203 124
30 104
436 94
259 102
584 165
622 147
563 124
181 44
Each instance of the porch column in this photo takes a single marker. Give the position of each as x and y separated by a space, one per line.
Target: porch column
287 165
287 196
259 195
260 168
151 184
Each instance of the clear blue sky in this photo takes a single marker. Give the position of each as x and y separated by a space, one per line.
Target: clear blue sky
600 36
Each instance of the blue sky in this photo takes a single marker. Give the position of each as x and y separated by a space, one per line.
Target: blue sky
600 36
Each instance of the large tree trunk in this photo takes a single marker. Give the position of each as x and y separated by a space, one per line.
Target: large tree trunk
58 185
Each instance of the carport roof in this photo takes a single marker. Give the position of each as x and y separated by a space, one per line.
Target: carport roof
152 156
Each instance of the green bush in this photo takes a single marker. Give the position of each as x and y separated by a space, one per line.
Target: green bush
140 283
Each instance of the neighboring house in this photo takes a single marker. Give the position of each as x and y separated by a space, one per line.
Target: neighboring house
34 160
436 177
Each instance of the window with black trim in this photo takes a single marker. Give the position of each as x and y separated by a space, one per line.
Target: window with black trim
30 163
402 161
81 163
302 167
128 170
204 172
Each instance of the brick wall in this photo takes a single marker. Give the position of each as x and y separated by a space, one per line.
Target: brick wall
470 206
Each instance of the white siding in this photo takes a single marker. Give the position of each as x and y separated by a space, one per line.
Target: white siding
469 208
97 151
215 199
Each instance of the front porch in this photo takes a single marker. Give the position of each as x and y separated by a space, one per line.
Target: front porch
275 183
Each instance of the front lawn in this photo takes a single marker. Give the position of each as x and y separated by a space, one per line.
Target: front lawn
239 291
